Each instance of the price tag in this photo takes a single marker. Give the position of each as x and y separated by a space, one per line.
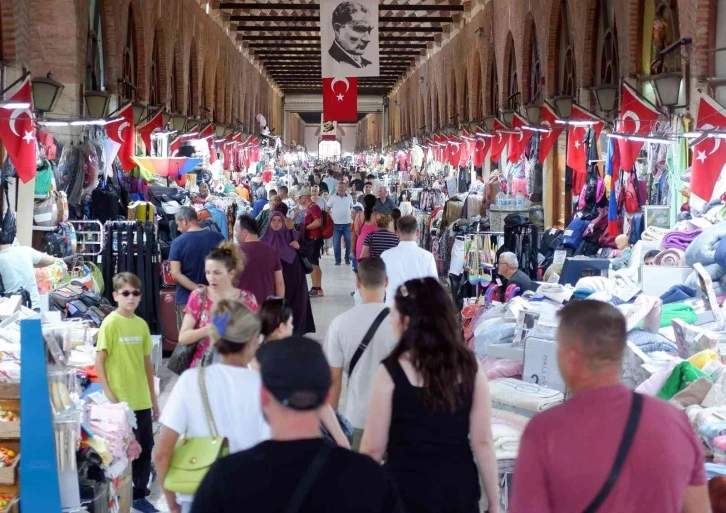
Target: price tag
560 256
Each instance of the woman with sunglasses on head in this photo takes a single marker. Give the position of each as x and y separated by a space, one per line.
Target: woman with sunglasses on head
221 266
430 409
288 243
232 389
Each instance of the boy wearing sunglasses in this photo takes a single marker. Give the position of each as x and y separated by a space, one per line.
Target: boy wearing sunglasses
123 364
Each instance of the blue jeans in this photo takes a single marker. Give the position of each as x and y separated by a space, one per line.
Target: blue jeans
338 231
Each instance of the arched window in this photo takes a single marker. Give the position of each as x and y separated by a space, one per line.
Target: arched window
493 86
565 55
535 69
95 69
155 86
607 65
129 67
660 30
512 92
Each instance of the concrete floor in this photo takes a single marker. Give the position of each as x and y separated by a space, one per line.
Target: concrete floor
338 283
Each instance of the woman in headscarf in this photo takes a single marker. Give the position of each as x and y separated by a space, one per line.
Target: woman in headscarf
260 202
284 210
287 244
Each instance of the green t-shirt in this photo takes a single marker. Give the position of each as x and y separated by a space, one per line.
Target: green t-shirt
127 342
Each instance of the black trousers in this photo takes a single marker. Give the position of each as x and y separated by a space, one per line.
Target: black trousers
141 467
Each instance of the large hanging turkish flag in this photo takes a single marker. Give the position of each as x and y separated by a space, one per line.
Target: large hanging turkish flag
122 132
148 127
547 140
576 147
18 133
467 147
454 150
500 140
637 117
709 154
518 142
207 133
340 99
481 148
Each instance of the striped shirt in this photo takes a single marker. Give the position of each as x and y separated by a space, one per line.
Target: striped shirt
379 241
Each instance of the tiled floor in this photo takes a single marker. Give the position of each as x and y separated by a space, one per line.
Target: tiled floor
338 283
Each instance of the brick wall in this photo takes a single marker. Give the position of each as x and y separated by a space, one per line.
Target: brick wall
468 55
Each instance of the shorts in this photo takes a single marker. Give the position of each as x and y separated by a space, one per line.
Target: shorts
317 251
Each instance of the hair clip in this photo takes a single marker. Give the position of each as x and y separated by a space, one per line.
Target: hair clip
220 322
404 291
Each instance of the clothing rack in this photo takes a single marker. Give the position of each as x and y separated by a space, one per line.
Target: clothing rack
133 246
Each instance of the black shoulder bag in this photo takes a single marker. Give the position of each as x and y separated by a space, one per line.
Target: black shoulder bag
306 483
631 425
367 339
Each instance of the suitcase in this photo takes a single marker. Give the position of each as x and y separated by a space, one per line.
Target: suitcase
169 330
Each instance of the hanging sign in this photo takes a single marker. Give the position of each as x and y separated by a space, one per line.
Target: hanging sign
349 38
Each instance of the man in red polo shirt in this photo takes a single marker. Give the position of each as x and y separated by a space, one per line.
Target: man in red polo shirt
313 223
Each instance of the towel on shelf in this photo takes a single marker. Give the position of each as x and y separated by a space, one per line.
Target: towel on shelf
525 396
671 258
683 374
509 417
677 239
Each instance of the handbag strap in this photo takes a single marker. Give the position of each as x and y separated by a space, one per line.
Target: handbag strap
631 425
367 340
205 402
306 483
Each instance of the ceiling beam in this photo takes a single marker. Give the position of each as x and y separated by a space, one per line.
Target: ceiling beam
265 37
315 19
276 44
292 28
317 52
316 7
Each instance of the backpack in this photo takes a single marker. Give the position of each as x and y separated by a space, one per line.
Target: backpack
106 203
632 203
327 226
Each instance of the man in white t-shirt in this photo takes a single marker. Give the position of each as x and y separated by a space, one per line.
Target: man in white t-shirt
345 335
17 265
407 261
339 205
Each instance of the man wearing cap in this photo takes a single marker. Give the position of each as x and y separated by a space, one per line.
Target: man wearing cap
296 470
312 223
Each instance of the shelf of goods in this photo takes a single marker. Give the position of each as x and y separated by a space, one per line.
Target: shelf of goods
9 447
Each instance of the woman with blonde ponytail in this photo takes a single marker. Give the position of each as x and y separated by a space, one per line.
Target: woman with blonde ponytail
232 389
222 265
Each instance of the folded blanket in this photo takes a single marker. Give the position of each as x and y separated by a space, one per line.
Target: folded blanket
501 368
526 396
677 311
703 247
671 258
655 382
649 342
500 431
679 240
494 332
515 419
654 234
678 293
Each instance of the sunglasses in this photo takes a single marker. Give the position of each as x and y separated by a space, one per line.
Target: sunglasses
127 293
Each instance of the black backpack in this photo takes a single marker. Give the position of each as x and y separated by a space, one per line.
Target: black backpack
106 203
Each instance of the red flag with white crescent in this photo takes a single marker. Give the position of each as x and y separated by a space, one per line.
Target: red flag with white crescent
122 132
340 99
208 133
576 149
500 140
481 148
518 142
547 140
174 146
148 127
467 147
18 133
709 154
637 117
454 150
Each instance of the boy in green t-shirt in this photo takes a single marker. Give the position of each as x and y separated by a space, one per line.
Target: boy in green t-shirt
123 364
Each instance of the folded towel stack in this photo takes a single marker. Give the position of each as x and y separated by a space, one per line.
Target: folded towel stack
654 234
506 441
676 239
523 398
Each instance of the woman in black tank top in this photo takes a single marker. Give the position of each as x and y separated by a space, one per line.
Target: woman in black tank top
430 408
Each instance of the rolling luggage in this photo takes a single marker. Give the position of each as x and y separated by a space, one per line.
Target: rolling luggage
169 330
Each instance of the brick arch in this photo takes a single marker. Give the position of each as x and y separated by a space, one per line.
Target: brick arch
704 64
159 39
475 86
509 54
435 113
14 36
178 65
219 94
193 82
491 73
530 39
587 77
142 87
553 47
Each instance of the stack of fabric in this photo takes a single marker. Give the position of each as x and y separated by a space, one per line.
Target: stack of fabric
525 399
506 441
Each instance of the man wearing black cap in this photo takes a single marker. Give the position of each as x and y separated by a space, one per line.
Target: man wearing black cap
296 470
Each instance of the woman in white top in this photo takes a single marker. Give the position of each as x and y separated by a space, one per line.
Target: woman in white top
233 390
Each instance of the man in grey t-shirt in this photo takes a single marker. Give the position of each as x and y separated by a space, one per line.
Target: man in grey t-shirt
384 203
345 336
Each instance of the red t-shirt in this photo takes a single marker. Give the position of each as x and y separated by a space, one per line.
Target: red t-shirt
312 213
566 454
267 176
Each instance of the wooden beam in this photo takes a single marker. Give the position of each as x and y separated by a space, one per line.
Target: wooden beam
315 19
265 37
292 28
272 45
316 7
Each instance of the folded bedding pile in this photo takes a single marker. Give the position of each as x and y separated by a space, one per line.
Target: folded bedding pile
523 398
677 239
506 441
673 257
704 249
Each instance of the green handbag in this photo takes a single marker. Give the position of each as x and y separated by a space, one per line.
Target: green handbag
193 457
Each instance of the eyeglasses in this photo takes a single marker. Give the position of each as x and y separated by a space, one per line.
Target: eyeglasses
127 293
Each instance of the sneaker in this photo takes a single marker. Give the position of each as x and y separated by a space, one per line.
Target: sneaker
347 262
143 506
338 263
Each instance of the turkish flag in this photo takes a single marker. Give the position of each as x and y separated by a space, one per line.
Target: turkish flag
467 147
637 117
429 150
481 148
148 127
709 154
454 149
340 99
122 132
437 148
547 140
518 142
174 146
18 133
576 147
208 133
499 141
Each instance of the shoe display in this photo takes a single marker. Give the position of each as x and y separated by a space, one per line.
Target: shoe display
143 506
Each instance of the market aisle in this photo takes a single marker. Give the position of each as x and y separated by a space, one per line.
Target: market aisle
338 283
